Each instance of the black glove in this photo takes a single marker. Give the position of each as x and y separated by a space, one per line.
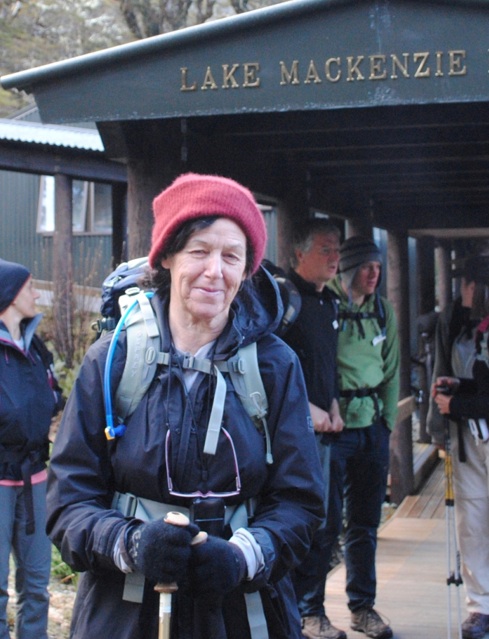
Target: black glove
216 567
160 551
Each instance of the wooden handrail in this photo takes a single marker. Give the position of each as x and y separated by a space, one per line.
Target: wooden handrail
405 408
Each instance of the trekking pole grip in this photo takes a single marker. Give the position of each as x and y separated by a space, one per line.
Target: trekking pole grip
175 519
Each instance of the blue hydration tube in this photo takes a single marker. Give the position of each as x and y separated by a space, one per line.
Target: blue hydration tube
111 431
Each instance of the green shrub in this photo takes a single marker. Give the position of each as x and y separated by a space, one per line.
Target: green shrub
60 570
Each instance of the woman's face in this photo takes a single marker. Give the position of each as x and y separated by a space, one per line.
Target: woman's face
207 273
25 302
467 292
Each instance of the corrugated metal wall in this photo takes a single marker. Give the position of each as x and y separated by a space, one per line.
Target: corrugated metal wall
19 241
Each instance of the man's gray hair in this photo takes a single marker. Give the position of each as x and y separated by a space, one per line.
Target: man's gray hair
304 236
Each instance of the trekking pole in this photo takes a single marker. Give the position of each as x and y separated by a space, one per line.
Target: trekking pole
453 574
166 590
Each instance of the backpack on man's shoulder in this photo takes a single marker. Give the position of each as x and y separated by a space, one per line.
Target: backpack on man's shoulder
378 314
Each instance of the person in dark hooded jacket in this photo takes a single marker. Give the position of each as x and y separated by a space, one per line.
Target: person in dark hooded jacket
208 239
29 398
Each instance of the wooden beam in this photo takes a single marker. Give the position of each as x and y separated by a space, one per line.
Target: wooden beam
73 163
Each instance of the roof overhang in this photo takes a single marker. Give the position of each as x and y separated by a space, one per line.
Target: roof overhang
381 104
32 147
299 55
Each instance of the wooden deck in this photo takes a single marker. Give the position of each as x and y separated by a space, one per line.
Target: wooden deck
429 503
412 593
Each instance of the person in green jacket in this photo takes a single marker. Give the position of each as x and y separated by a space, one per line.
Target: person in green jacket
368 371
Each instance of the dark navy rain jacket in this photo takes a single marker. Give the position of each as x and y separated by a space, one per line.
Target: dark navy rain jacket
86 469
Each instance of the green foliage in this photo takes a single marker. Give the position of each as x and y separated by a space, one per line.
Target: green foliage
83 336
38 32
60 570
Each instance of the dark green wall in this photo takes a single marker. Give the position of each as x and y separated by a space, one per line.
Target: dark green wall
19 241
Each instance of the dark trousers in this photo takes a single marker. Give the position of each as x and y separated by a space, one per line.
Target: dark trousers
359 462
309 577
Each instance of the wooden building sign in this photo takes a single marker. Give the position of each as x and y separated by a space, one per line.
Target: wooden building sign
312 55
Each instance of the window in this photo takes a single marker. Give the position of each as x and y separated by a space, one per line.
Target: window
101 208
45 209
79 191
92 207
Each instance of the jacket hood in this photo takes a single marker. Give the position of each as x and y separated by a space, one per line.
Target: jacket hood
28 328
257 310
336 286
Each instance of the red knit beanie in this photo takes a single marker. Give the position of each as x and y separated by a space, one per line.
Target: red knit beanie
192 196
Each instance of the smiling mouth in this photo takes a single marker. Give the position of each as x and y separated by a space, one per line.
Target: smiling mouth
209 291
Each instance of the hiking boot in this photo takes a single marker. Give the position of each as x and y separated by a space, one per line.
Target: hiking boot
367 620
475 626
320 628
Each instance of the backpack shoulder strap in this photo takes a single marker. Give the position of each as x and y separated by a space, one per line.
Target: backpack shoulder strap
142 357
378 313
42 349
381 318
247 381
143 346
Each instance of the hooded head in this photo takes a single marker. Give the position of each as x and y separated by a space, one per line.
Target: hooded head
13 276
475 269
192 196
354 252
475 286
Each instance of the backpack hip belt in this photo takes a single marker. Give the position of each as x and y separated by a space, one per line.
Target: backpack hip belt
235 516
373 393
359 392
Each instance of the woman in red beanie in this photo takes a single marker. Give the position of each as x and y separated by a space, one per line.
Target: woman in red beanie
29 397
107 501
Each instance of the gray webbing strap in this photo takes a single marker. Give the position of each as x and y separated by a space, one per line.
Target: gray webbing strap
247 381
148 510
215 419
133 587
145 509
197 364
254 605
256 616
130 505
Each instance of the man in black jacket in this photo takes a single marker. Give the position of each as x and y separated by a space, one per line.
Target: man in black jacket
313 336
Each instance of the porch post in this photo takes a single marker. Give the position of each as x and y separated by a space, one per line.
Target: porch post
425 281
119 224
443 263
145 179
63 267
401 445
425 301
